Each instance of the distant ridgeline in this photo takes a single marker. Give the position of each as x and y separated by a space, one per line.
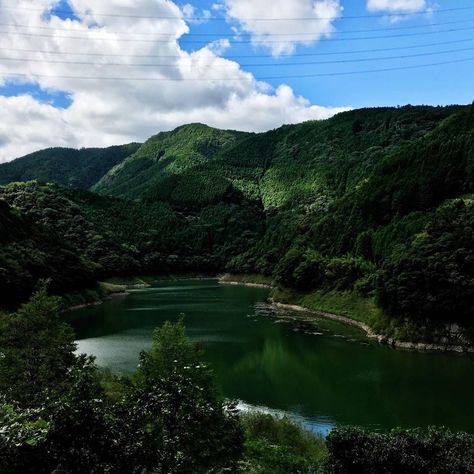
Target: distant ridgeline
375 202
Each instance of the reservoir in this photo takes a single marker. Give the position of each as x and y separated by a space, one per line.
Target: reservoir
322 374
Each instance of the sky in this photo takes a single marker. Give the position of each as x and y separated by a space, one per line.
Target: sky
83 73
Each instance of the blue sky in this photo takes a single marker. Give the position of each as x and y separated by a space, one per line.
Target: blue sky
437 85
96 73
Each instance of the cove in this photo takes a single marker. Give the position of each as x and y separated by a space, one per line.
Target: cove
323 374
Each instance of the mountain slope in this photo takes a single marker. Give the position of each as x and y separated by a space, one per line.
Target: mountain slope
42 224
293 164
66 166
163 157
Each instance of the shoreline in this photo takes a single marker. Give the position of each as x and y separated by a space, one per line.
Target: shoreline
412 346
238 283
381 339
97 302
229 279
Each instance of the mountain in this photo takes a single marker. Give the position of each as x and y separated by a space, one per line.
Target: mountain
158 165
291 164
66 166
372 204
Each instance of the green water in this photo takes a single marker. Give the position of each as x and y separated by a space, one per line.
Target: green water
332 377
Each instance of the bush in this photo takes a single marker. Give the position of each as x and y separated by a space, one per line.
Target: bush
435 451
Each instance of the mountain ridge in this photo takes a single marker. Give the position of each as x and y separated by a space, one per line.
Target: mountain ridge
80 168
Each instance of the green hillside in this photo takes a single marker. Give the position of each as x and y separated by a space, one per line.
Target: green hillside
154 168
292 163
76 168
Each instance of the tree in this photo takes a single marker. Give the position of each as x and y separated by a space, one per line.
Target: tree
185 425
36 352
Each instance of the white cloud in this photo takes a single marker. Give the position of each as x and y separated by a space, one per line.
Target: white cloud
106 112
27 125
397 6
256 17
192 15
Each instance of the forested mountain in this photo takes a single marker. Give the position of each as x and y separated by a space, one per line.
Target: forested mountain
66 166
278 168
375 202
173 166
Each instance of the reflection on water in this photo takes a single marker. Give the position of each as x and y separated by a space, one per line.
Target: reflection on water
321 372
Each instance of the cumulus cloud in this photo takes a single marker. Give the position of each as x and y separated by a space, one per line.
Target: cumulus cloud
155 85
257 18
398 6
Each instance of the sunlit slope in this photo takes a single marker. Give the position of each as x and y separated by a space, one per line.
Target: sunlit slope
154 168
310 163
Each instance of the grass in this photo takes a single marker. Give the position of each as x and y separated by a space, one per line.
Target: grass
347 303
279 446
342 303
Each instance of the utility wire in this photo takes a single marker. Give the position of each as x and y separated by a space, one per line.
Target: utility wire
233 35
54 11
305 63
201 79
328 53
261 41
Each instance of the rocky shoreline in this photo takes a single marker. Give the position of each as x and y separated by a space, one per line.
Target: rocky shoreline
417 346
238 283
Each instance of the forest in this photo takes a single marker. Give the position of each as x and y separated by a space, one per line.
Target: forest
373 203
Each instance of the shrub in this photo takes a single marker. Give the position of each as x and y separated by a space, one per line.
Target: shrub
435 451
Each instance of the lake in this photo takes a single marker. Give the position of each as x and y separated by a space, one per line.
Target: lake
323 374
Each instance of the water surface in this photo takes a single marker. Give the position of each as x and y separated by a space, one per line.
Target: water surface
323 375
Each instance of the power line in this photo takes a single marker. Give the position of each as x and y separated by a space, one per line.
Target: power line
54 11
244 56
305 63
233 35
262 41
200 79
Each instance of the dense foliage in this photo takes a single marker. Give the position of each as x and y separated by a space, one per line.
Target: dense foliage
75 238
29 253
435 451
